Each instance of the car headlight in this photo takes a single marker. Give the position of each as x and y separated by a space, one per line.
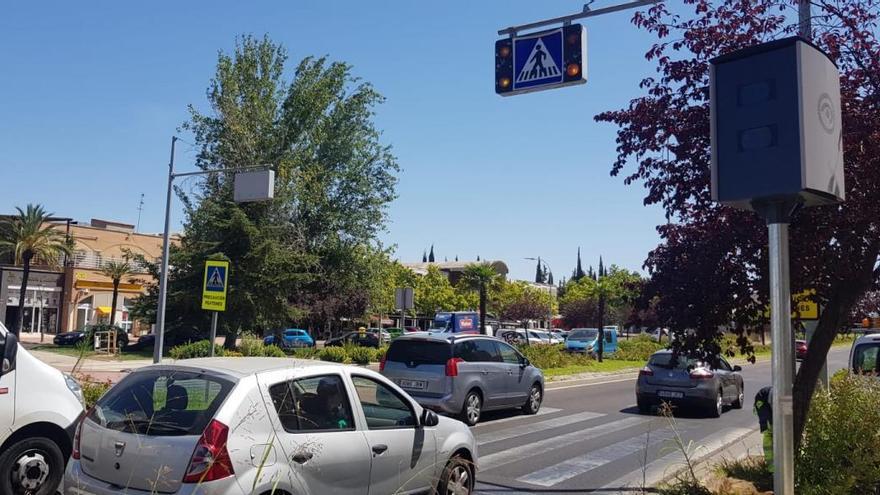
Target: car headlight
75 389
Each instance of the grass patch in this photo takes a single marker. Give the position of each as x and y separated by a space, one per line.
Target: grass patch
608 365
73 351
751 469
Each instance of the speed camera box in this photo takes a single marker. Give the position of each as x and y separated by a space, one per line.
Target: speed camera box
254 186
776 125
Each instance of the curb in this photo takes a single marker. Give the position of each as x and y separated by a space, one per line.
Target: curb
705 462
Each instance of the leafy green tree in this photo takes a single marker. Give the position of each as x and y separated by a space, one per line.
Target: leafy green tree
30 238
482 278
517 300
433 293
116 271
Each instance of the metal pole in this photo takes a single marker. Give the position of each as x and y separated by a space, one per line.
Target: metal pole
213 330
586 12
163 275
805 28
783 364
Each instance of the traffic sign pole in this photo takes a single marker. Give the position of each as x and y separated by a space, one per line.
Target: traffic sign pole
213 330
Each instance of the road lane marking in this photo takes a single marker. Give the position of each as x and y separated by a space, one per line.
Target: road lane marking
576 466
541 412
533 449
632 378
658 469
516 431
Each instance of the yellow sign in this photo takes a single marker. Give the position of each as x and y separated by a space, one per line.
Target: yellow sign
803 308
214 288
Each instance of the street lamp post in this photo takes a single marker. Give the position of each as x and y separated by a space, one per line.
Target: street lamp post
163 274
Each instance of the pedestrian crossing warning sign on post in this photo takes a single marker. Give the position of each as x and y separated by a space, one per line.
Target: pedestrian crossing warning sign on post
214 289
538 61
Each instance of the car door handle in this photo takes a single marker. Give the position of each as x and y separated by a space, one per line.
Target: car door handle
485 372
303 457
379 448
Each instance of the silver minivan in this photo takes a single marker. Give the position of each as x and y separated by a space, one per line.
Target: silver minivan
463 375
865 355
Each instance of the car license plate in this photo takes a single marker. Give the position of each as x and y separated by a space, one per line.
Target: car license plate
413 384
670 395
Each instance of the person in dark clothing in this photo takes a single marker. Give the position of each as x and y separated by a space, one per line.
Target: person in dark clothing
764 411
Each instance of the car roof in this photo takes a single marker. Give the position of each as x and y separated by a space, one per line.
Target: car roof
871 337
239 367
443 337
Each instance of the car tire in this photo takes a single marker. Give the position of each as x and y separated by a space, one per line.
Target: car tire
533 401
740 398
40 463
472 408
717 406
457 477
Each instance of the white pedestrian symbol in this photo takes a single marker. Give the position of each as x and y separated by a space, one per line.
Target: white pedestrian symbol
539 65
215 281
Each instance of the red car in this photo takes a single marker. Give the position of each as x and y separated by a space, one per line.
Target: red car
800 349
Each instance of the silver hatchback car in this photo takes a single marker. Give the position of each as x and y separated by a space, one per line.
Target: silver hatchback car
463 375
689 383
266 426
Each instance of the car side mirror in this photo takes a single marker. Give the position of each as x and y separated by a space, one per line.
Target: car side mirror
737 368
524 363
429 418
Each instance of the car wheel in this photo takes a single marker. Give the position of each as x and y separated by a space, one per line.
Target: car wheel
717 406
740 398
473 406
533 403
33 466
457 478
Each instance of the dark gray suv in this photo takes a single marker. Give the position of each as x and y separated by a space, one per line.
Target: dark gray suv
463 375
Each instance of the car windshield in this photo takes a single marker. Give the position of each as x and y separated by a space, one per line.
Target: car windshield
161 403
865 358
419 352
583 335
664 360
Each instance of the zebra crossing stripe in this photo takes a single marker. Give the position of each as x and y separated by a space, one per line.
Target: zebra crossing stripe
541 412
516 431
576 466
549 444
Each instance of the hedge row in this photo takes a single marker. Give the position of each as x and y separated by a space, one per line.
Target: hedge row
255 347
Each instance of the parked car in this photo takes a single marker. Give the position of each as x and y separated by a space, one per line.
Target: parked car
559 333
586 340
659 334
864 357
386 335
290 338
146 341
39 410
69 338
535 337
412 329
689 383
366 339
266 425
102 329
800 349
463 375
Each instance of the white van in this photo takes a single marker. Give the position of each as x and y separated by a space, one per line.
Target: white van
39 411
864 357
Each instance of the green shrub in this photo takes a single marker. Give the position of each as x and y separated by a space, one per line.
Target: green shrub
92 389
552 356
273 351
637 349
839 453
251 346
334 354
232 353
304 352
379 353
361 355
202 348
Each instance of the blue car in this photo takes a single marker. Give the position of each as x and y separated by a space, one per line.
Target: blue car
585 340
292 337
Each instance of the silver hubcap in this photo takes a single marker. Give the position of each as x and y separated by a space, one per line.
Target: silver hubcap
535 399
473 408
30 470
459 482
720 404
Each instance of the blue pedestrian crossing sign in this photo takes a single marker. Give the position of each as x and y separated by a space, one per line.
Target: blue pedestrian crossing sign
539 61
214 290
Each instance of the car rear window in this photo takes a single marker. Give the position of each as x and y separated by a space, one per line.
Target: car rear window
419 352
665 361
162 403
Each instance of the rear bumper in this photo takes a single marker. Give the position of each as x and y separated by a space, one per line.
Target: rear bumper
76 482
685 402
695 396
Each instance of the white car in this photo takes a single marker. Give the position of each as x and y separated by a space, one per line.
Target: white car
535 337
864 357
39 410
266 426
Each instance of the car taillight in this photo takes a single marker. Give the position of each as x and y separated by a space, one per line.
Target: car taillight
382 363
452 366
646 371
210 460
701 374
76 436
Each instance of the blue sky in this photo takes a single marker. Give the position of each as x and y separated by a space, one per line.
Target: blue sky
90 95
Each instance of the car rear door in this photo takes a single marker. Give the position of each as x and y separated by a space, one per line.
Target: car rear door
727 380
316 428
514 371
403 453
482 365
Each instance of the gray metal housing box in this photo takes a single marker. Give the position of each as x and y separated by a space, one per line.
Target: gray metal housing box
254 186
776 125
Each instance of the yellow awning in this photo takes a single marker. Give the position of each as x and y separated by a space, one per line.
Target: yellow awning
104 310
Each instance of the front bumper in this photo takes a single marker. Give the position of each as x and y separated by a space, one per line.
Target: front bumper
76 482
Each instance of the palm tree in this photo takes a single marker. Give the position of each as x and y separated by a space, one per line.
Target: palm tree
116 271
29 236
481 277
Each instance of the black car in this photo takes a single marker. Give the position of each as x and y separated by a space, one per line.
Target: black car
367 339
147 341
69 338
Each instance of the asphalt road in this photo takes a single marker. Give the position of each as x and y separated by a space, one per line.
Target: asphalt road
589 438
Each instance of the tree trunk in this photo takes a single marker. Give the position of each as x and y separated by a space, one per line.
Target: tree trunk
229 341
113 302
22 293
483 309
600 344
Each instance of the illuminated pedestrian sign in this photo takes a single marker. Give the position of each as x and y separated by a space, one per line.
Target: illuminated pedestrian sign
215 286
539 61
